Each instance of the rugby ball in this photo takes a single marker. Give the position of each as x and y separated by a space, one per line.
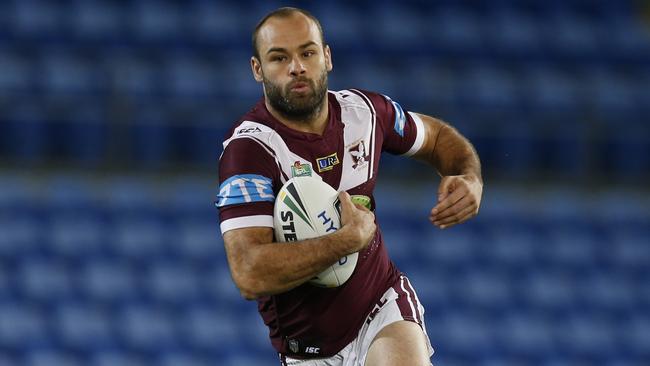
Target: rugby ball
306 207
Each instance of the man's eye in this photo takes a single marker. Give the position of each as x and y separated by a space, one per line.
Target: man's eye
279 58
308 53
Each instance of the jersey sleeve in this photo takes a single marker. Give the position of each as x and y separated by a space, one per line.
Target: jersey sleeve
403 131
247 178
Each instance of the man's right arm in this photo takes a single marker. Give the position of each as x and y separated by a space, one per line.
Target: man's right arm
260 266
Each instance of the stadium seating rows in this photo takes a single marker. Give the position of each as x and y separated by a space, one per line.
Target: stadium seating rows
132 271
538 84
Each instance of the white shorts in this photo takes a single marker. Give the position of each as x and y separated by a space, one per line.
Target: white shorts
399 302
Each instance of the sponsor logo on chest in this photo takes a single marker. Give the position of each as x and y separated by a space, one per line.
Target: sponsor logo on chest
327 162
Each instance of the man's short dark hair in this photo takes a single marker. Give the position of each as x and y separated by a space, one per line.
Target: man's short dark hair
284 13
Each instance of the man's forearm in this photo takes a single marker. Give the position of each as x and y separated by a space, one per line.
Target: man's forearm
447 150
455 155
278 267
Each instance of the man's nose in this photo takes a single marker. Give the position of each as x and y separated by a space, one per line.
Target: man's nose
296 67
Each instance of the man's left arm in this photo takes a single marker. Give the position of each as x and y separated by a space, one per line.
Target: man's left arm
456 160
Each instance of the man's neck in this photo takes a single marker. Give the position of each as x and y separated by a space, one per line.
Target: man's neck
316 124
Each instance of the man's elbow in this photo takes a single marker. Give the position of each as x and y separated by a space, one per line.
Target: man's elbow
248 287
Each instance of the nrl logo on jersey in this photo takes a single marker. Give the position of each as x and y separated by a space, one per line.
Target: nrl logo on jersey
327 162
294 346
359 154
300 170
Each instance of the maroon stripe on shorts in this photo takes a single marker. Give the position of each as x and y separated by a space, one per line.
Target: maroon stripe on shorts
406 308
414 298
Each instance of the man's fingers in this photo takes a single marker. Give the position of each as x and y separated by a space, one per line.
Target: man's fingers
444 188
345 199
456 218
460 205
449 201
361 207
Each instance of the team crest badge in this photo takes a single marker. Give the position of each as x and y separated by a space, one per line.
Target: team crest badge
327 162
300 170
359 155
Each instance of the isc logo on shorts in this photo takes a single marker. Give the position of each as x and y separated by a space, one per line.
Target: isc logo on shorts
312 350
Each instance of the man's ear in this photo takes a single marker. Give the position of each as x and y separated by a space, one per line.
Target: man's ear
256 67
328 58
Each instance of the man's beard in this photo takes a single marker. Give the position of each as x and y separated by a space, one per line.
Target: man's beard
297 107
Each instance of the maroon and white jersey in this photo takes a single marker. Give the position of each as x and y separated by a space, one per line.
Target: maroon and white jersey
261 154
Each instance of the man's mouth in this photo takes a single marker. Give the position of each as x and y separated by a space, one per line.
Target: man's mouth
300 87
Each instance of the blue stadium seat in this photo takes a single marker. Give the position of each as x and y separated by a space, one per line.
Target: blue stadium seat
200 325
131 74
35 18
217 23
155 21
552 290
463 333
66 73
623 141
85 134
117 357
218 286
109 281
627 37
76 235
21 234
612 93
585 335
22 326
83 325
342 26
189 77
487 87
18 75
172 282
70 194
456 30
489 289
551 89
573 249
44 280
129 195
25 132
139 238
454 249
145 329
635 336
173 358
386 26
151 137
235 81
46 357
198 240
250 360
513 32
526 335
570 35
612 294
629 248
96 20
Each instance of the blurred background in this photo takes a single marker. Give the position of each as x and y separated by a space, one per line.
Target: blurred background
111 119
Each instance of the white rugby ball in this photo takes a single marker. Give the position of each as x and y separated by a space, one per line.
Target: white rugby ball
306 207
